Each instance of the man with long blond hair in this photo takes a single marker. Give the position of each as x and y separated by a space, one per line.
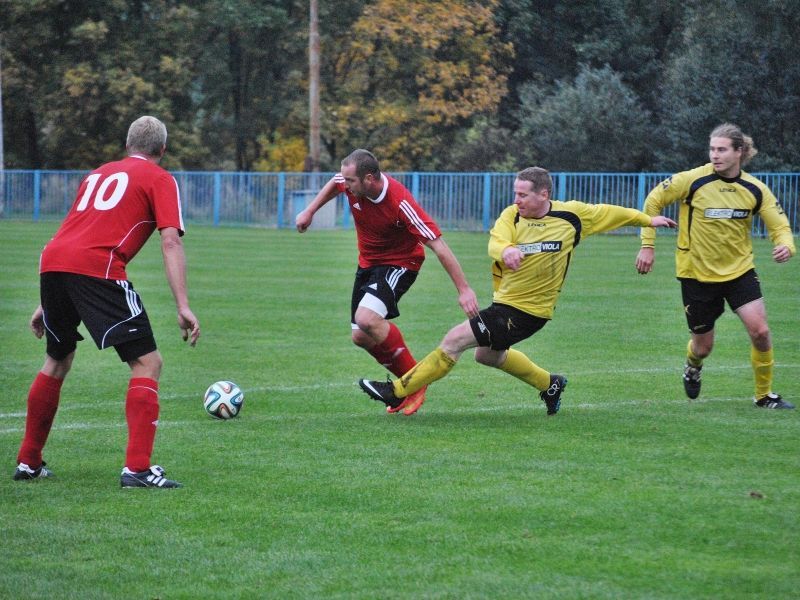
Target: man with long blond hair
714 256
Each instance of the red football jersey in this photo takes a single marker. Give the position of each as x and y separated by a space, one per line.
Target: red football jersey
390 228
117 207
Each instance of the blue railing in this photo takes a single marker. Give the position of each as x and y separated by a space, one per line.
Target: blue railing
457 201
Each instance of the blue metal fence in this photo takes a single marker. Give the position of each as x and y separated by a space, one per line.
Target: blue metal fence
457 201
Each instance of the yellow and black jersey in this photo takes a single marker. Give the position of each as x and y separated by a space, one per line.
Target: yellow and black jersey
548 244
714 222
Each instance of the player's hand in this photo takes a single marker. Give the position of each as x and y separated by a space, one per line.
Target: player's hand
661 221
781 254
189 325
37 322
645 260
469 302
512 257
303 220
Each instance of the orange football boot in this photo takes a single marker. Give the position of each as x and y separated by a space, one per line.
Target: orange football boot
410 404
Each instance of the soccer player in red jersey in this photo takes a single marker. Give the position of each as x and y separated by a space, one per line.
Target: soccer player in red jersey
393 230
83 279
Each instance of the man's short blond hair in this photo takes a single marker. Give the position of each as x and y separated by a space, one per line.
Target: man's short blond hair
146 135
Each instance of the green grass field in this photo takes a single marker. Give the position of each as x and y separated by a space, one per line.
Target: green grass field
631 491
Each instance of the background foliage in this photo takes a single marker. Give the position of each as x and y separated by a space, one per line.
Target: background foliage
614 85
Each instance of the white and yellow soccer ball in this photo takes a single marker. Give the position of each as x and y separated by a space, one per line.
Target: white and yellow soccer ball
223 400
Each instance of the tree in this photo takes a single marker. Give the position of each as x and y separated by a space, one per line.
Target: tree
485 146
594 123
634 37
409 75
554 39
749 75
427 84
82 71
247 75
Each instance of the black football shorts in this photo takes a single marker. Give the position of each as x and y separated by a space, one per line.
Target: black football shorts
501 326
380 289
704 302
111 311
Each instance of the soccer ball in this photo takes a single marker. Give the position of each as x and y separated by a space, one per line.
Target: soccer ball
223 400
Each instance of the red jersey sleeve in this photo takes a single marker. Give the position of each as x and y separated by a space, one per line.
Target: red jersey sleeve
167 203
418 222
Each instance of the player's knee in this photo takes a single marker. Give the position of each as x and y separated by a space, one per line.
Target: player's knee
148 365
360 339
367 322
58 368
483 359
760 336
490 358
702 350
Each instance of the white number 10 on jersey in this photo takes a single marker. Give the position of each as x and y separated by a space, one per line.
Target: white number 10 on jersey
100 201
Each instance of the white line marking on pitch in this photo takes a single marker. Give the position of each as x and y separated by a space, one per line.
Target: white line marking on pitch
67 407
372 414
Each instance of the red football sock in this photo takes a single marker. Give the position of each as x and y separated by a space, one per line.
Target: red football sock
42 406
393 353
141 413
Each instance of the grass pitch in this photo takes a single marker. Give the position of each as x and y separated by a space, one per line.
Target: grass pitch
631 491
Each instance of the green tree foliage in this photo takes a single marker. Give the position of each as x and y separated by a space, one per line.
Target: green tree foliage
594 123
426 84
79 72
409 75
633 37
249 57
486 146
738 63
552 39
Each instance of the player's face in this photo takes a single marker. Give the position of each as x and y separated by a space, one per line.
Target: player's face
356 186
726 160
532 205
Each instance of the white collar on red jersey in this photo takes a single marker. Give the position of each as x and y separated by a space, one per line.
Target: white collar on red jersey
383 192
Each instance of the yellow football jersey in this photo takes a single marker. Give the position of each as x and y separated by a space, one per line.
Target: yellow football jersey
714 222
548 244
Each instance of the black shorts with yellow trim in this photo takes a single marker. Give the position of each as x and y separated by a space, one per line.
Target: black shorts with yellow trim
501 326
704 302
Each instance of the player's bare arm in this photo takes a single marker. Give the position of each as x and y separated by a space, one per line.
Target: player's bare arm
328 192
37 322
175 268
466 296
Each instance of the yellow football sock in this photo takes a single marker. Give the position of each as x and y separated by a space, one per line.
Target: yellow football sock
431 368
691 358
762 370
522 367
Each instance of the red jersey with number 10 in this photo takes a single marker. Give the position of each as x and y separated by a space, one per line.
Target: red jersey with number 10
391 228
117 207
